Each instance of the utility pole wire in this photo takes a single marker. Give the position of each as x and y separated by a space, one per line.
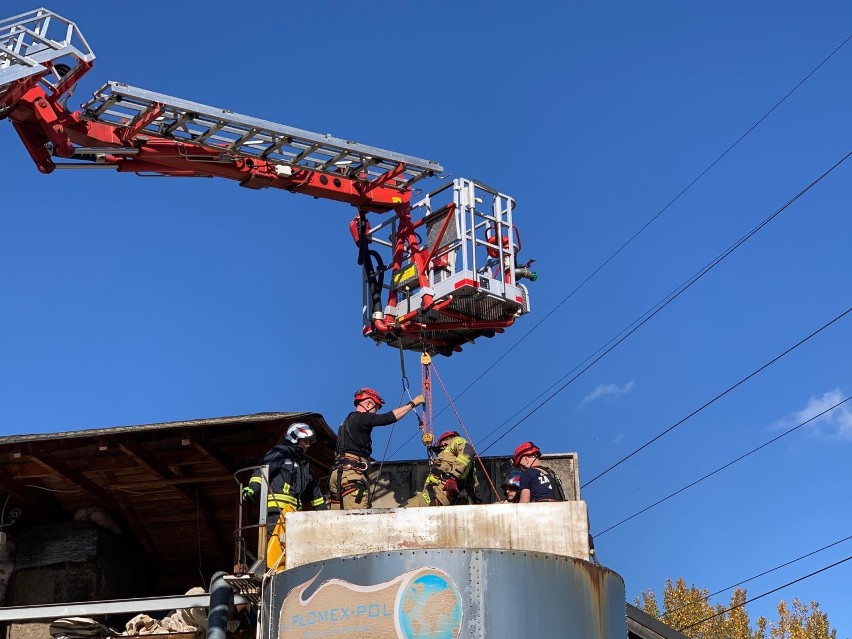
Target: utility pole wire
652 220
623 246
680 290
765 572
760 596
719 396
721 468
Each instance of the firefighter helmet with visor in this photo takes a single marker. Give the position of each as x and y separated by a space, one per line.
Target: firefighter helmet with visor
300 432
512 480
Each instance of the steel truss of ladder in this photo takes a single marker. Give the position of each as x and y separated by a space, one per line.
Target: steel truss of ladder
149 113
40 47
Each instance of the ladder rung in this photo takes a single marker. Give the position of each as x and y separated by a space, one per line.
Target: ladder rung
119 104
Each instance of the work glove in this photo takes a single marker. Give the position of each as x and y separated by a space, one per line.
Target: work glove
247 494
418 401
451 487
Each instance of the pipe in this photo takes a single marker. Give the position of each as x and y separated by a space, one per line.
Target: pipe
221 605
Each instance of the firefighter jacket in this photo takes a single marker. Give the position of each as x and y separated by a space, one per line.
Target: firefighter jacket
290 479
456 460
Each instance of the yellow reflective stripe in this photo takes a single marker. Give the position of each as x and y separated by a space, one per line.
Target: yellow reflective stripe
255 480
274 501
463 459
319 501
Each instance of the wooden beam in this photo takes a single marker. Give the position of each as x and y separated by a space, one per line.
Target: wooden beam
66 472
44 504
213 453
153 484
139 530
145 459
161 472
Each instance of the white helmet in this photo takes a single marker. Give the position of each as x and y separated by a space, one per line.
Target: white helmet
300 431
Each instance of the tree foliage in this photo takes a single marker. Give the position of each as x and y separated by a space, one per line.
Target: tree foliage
689 610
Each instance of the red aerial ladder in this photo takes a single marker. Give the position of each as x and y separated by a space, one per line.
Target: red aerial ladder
438 272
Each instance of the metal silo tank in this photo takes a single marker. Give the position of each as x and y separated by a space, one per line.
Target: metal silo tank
446 594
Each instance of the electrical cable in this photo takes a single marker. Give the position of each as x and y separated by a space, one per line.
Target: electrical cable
760 596
719 396
765 572
680 290
636 324
721 468
654 218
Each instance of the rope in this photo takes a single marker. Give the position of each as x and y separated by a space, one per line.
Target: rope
466 434
426 383
405 391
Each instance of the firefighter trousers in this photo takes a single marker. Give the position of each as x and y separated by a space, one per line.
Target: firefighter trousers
348 489
431 495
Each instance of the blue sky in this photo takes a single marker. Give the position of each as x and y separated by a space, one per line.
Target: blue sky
128 301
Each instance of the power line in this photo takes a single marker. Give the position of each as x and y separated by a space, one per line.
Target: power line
721 468
765 572
634 236
718 397
760 596
671 297
652 219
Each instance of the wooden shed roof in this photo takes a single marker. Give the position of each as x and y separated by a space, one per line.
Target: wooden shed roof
169 486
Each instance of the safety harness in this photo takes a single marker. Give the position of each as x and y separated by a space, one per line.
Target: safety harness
347 461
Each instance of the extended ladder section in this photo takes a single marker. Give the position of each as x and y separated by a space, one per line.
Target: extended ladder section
154 114
39 47
438 273
461 282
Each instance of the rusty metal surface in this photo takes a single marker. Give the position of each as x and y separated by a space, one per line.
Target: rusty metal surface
464 594
557 527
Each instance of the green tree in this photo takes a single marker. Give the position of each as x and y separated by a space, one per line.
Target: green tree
689 610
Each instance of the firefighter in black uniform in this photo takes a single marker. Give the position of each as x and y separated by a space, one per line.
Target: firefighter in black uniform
291 485
348 486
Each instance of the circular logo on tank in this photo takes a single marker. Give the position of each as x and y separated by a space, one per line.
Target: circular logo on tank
429 606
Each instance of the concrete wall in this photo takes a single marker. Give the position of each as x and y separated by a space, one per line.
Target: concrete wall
559 528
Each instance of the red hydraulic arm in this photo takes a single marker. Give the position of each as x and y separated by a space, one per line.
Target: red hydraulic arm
43 56
40 119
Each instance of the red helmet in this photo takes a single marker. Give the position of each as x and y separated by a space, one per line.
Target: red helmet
444 439
527 448
368 393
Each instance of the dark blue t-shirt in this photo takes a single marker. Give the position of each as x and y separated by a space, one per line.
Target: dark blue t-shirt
539 484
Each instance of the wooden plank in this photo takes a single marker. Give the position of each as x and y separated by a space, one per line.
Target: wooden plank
75 478
44 504
160 471
214 453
